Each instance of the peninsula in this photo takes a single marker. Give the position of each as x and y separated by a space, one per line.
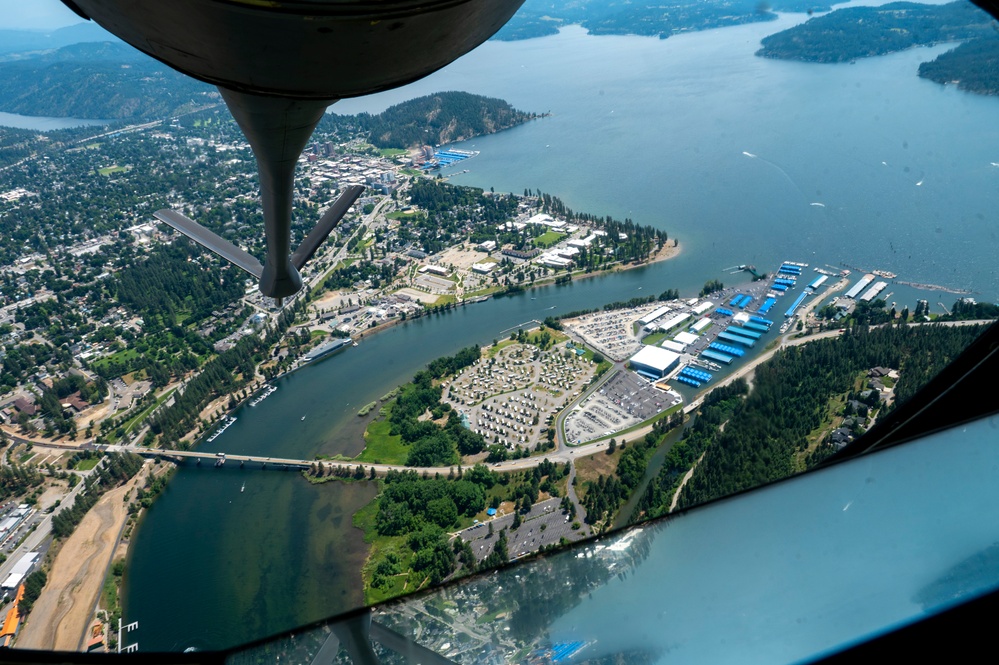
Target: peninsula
862 32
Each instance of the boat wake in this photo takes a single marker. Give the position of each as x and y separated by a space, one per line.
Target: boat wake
817 204
748 154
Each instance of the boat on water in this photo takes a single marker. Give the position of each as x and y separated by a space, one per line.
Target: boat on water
268 391
327 349
303 417
243 488
229 421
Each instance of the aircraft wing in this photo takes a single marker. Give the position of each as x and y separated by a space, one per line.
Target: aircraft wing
217 244
325 226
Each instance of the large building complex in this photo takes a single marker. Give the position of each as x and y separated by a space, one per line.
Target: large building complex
654 362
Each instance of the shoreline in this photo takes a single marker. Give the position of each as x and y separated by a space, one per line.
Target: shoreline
670 250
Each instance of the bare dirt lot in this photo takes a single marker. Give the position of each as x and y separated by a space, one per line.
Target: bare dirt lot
64 609
460 258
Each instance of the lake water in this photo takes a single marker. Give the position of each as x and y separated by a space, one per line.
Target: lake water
41 123
653 130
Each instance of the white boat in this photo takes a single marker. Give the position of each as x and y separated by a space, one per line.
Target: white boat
243 488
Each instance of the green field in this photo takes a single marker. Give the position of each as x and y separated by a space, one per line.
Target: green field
446 299
399 214
654 338
548 239
392 152
108 170
87 464
380 447
123 356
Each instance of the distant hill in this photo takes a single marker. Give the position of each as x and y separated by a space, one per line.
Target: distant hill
538 18
860 32
17 41
444 117
104 80
972 66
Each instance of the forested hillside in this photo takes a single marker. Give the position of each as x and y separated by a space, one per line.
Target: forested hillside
444 117
972 66
791 392
538 18
103 80
861 32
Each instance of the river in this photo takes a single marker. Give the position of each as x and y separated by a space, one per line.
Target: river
649 129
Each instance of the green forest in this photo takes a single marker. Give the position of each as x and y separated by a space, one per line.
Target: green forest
101 80
766 431
414 513
972 66
539 18
429 443
861 32
444 117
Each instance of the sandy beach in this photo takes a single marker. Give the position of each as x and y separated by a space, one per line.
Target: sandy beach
64 609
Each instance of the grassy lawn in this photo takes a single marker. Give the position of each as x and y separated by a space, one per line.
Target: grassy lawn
87 464
411 171
493 350
401 214
392 152
556 336
380 447
108 170
548 239
123 356
483 292
654 338
446 299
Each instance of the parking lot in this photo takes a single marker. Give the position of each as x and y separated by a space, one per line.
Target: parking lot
530 537
625 400
611 333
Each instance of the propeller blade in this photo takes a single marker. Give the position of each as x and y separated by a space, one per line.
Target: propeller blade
206 238
325 226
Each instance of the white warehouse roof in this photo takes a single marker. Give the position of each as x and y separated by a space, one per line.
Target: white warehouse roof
655 357
703 307
673 346
685 338
702 324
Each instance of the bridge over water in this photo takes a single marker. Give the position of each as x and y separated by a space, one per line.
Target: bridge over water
230 459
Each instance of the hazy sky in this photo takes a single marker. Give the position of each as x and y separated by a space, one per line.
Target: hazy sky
35 15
